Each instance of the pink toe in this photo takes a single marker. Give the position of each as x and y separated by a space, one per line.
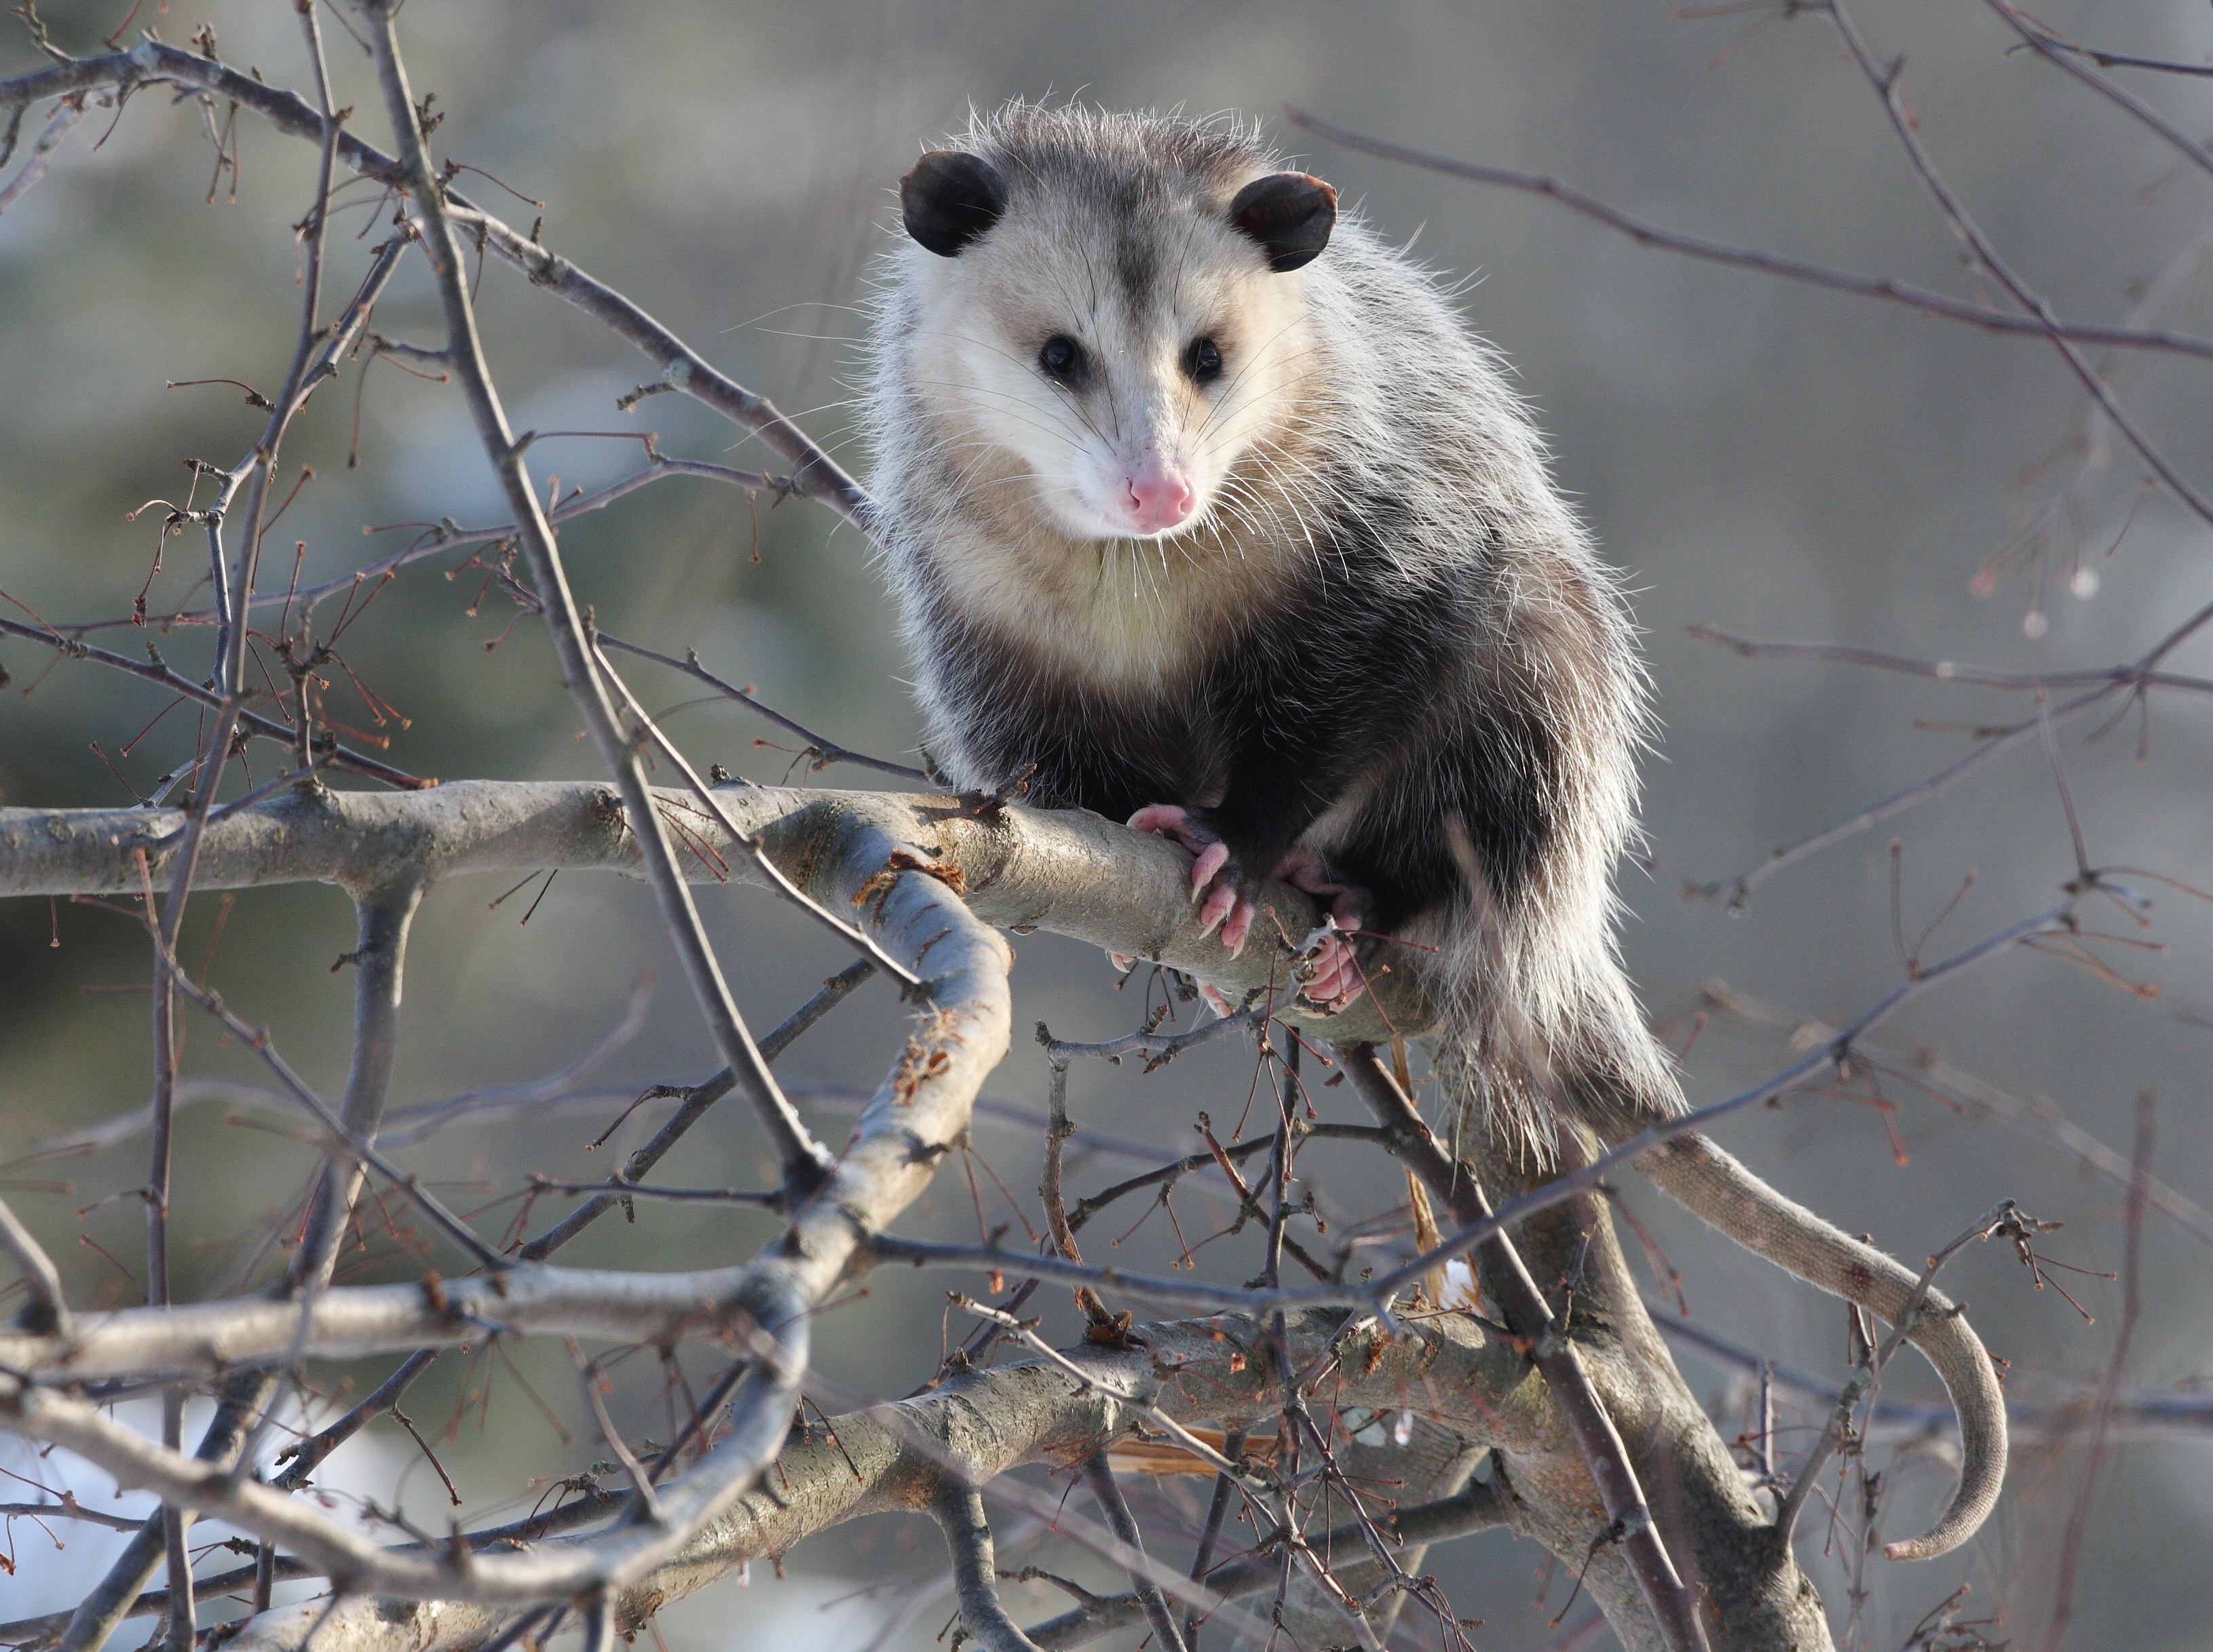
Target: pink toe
1217 1000
1302 870
1238 924
1157 818
1334 980
1211 859
1220 903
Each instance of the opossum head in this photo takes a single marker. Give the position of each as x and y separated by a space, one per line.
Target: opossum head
1106 332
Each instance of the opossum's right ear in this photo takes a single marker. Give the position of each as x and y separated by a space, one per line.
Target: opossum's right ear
1291 214
950 198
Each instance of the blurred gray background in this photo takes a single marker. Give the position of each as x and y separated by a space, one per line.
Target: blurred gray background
1776 461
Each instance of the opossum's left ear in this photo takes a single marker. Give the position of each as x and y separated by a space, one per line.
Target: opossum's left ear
1291 214
950 198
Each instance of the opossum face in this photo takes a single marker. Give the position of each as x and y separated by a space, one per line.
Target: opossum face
1112 355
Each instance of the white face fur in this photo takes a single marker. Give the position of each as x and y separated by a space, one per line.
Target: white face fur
1103 374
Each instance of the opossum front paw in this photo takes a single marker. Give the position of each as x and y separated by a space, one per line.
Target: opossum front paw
1221 887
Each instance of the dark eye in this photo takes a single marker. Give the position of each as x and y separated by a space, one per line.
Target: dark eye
1061 359
1203 361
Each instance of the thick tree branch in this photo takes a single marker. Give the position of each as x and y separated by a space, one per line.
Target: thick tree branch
1073 873
913 1119
1632 1523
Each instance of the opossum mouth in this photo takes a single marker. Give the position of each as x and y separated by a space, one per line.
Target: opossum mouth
1108 532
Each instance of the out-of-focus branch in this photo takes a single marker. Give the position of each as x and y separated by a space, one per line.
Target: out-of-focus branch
158 671
1950 670
2067 57
2137 676
821 753
1098 1475
1883 81
1735 891
1927 299
815 473
439 537
42 151
2135 1416
48 1310
1977 1096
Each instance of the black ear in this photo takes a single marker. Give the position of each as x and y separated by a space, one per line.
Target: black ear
950 198
1289 213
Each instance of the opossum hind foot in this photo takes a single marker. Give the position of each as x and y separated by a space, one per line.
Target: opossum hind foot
1329 971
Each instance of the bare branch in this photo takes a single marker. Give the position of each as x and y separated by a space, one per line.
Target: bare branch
42 152
804 1160
1926 300
49 1310
1098 1475
959 1512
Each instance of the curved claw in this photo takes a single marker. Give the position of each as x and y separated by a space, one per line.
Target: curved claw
1163 819
1231 908
1217 1000
1215 883
1211 859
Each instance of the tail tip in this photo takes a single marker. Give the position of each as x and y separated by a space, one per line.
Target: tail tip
1947 1535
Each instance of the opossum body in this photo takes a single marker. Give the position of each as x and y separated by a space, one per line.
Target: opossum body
1205 510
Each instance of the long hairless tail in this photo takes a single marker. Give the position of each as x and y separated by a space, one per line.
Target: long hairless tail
1708 1182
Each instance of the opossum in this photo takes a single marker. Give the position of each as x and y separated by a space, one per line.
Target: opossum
1205 510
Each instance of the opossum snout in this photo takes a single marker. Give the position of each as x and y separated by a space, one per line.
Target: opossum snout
1157 495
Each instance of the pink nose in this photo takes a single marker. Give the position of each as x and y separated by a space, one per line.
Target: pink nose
1158 496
